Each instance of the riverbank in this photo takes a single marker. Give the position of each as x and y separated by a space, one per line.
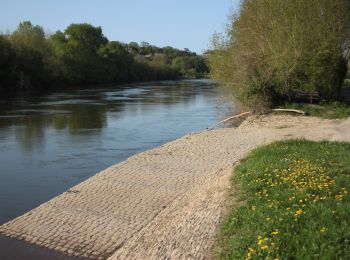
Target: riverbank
165 202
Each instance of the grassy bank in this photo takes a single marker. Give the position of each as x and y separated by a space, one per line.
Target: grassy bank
295 203
329 110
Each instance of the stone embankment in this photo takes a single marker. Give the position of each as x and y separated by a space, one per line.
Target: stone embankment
161 204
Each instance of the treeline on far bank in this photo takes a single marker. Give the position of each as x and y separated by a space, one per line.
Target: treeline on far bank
82 55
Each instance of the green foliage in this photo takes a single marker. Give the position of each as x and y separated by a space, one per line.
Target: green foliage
28 36
32 53
117 60
8 72
134 47
85 36
76 49
296 197
81 54
274 47
191 66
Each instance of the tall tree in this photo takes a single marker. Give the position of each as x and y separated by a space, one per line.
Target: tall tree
77 49
85 36
32 55
29 36
273 47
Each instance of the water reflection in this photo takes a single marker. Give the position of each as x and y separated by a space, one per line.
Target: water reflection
87 109
52 142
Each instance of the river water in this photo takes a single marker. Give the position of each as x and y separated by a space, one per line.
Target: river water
50 143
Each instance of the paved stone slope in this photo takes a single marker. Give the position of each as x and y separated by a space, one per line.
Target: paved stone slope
161 204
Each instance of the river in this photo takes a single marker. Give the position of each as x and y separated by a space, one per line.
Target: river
50 143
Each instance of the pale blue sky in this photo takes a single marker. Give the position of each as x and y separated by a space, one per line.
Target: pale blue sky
178 23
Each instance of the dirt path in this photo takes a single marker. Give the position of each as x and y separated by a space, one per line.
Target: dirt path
161 204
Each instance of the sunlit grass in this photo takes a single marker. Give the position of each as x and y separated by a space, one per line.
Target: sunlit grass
296 203
330 110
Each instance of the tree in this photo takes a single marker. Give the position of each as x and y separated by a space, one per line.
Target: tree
274 47
146 48
32 56
117 60
191 66
8 73
28 36
85 36
134 47
76 49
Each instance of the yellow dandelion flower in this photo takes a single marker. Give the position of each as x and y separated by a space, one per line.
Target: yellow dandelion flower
298 212
275 232
323 230
260 242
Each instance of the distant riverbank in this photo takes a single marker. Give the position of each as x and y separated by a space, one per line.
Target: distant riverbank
81 55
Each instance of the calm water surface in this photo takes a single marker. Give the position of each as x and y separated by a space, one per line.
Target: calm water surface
50 143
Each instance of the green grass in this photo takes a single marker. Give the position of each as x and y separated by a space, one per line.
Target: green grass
332 110
294 203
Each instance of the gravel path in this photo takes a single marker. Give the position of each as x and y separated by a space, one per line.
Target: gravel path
161 204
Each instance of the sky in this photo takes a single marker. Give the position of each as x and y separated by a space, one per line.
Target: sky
178 23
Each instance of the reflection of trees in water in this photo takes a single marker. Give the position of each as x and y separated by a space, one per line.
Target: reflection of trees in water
80 117
31 127
31 130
